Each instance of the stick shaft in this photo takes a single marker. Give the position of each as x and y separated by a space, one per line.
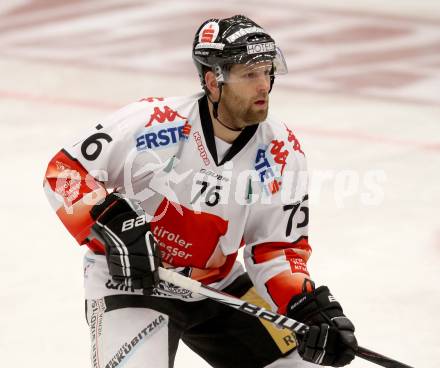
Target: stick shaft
379 359
256 311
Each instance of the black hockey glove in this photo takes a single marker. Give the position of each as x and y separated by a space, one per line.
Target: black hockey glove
132 252
330 340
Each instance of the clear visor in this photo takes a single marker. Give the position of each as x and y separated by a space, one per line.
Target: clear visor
258 66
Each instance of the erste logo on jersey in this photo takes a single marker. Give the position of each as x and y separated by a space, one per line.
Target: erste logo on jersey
165 128
269 164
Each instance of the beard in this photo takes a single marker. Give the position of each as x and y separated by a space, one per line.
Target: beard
238 110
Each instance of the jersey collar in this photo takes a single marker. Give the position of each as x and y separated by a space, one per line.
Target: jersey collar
208 131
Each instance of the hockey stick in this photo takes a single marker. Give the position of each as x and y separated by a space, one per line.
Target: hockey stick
256 311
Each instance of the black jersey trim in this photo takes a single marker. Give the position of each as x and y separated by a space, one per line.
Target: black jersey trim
208 131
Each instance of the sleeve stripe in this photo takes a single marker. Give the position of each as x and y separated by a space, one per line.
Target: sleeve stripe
72 193
266 251
290 261
283 287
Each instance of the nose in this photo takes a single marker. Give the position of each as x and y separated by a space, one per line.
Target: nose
263 84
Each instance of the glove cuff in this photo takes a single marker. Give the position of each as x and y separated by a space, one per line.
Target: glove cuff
316 307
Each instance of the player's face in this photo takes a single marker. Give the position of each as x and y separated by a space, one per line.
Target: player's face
245 97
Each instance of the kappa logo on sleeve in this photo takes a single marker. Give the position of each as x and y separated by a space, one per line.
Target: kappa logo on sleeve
293 140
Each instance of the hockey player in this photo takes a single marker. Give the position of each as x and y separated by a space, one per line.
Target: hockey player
185 182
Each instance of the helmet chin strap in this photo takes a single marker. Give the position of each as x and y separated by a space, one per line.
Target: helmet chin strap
215 111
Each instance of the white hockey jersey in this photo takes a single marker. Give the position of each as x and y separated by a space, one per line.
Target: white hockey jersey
162 152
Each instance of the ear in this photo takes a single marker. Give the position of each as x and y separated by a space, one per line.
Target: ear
212 85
